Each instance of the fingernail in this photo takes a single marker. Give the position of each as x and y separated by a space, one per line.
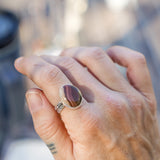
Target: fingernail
18 61
34 101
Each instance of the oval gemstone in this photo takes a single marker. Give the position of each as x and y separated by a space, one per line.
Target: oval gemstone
70 96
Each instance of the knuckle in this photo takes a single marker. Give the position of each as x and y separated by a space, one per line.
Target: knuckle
112 48
46 130
117 106
115 100
65 52
50 74
136 101
95 53
140 58
152 104
67 62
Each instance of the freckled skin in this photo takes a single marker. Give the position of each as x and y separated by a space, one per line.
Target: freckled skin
117 119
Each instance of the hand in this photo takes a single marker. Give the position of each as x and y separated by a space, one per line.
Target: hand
117 119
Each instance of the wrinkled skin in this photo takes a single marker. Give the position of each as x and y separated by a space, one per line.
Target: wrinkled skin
117 118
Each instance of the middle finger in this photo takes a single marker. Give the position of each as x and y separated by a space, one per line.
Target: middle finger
101 66
78 75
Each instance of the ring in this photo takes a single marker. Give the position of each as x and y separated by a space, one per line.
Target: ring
71 97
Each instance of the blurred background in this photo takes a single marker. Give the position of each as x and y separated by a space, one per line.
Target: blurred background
47 27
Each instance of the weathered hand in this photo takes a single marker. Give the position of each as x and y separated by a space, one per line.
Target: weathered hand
117 119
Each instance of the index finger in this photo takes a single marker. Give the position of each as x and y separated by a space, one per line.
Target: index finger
50 79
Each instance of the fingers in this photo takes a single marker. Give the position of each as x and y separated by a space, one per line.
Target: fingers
137 71
48 125
100 65
50 79
78 75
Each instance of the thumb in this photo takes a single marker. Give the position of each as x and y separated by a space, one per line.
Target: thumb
48 125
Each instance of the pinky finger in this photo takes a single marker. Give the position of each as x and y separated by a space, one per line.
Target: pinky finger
137 70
